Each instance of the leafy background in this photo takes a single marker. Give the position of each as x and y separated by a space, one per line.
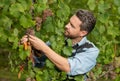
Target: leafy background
18 15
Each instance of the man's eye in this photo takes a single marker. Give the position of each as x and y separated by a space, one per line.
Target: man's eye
72 25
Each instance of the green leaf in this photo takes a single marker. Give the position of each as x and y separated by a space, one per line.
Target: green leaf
38 71
32 73
24 54
20 48
1 31
79 78
23 21
39 8
16 9
15 43
67 51
67 1
114 33
102 29
3 38
69 41
26 4
117 2
15 32
59 32
3 3
45 1
49 64
26 22
46 75
52 39
60 24
38 78
65 12
5 21
101 7
119 10
48 25
11 38
103 18
91 4
117 62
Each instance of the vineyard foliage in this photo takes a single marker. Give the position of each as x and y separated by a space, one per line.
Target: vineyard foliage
48 18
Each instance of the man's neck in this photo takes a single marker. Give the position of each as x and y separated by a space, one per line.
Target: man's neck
76 40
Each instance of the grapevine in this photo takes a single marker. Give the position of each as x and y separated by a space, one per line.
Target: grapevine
47 18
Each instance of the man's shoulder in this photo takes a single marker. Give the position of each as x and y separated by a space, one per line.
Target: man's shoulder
87 47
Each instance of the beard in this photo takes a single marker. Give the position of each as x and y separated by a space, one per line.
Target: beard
68 35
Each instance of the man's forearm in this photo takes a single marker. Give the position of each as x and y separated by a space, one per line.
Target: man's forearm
59 61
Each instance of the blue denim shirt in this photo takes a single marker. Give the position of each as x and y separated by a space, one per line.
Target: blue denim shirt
83 62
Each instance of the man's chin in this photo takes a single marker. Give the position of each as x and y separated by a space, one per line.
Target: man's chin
67 36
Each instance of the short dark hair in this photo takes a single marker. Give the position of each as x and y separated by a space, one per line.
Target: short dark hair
88 20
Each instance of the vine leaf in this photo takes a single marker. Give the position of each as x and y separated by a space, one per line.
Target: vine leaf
91 4
26 21
15 9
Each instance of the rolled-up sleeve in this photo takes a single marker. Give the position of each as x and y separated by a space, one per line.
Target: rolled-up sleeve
83 62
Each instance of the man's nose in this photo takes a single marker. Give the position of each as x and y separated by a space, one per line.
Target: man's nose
67 26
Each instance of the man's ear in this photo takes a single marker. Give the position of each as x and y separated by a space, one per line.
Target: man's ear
83 33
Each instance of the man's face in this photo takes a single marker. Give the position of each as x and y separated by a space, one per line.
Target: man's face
72 29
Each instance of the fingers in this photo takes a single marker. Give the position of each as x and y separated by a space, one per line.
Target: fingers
27 38
36 42
31 36
24 39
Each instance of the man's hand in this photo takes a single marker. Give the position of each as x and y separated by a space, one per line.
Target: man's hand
36 43
24 39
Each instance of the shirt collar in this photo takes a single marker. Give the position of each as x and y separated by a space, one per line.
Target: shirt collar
83 40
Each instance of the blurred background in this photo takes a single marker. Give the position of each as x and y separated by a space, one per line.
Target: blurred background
16 17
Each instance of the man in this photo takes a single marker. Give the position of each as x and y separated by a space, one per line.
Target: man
84 53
